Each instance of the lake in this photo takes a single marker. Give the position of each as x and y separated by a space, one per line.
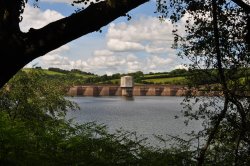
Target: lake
147 115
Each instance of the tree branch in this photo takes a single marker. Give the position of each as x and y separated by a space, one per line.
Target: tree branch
236 152
19 48
222 114
58 33
213 132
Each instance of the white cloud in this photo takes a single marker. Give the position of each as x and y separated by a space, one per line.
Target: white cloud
155 49
103 53
119 45
104 61
146 28
142 44
181 67
131 58
157 63
147 34
101 63
134 66
36 18
54 58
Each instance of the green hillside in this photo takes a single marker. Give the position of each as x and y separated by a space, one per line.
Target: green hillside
68 78
78 77
170 80
174 77
45 71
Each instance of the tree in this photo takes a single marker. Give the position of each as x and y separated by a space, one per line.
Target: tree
217 42
18 48
218 38
28 96
178 72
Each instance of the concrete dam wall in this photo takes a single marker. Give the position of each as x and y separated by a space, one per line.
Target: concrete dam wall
138 90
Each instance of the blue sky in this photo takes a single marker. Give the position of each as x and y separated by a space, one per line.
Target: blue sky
143 43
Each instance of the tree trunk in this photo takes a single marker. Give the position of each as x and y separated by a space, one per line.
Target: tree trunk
11 45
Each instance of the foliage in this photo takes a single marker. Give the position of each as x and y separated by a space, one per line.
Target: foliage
33 97
217 44
179 72
64 77
33 131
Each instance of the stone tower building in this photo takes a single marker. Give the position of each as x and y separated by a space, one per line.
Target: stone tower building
127 85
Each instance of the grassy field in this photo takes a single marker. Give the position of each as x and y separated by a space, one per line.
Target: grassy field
116 81
44 71
54 73
83 76
48 72
147 76
172 80
80 78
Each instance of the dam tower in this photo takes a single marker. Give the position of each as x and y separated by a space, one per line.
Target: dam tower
127 84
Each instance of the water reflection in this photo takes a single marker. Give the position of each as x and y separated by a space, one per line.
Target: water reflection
146 115
128 98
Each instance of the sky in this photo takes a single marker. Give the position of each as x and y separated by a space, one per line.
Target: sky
141 44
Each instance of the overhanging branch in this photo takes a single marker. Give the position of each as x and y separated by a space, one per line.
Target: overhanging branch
58 33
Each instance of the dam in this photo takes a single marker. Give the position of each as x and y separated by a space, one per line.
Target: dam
127 88
137 90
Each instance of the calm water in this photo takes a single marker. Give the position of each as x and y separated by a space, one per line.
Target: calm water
145 115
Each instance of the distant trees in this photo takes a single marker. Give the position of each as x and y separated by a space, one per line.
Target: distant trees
38 67
178 72
116 76
68 71
78 77
80 72
137 76
58 70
